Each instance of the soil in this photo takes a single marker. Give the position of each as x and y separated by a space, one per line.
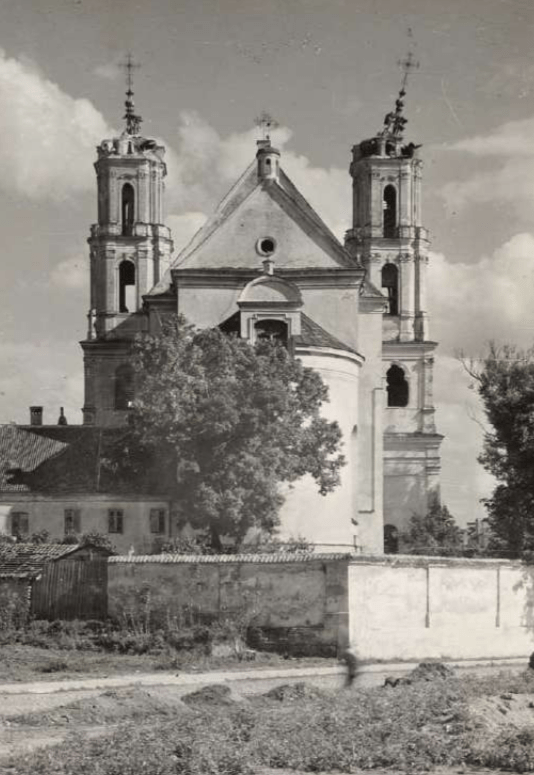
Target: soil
28 722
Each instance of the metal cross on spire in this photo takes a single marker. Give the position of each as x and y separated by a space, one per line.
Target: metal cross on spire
265 122
395 122
133 121
407 65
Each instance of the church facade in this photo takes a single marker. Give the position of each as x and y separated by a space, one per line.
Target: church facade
266 265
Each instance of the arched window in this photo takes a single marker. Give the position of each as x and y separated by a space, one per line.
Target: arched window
389 205
124 386
272 331
127 294
397 386
391 539
390 282
128 207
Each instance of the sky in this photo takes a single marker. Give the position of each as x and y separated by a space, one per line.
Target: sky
327 70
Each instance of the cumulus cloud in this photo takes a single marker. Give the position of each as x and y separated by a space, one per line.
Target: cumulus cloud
471 304
48 137
204 165
72 273
510 151
491 299
461 420
110 71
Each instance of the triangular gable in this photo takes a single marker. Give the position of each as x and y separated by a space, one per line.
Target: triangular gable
253 209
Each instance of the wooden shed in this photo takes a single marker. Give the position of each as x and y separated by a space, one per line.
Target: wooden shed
56 581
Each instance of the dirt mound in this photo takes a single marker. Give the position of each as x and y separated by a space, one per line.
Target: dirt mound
109 707
426 671
292 692
213 694
505 710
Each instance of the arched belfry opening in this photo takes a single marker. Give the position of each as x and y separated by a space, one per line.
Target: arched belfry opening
397 386
127 209
390 284
127 289
271 331
124 386
389 206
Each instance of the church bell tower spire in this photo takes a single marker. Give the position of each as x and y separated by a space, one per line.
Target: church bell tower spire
130 249
389 239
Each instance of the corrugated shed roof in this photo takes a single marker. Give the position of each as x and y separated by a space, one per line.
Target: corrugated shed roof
226 559
26 560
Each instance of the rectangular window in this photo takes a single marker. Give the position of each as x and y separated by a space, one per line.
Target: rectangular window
72 521
157 520
20 523
115 520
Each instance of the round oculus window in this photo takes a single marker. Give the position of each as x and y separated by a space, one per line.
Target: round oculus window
266 246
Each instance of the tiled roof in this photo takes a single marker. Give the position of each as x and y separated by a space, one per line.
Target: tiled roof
20 449
53 459
312 334
214 559
26 560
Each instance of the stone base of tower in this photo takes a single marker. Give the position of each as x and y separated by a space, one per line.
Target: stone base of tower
412 466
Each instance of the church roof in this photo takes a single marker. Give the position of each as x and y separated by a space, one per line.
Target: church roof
256 207
314 335
370 291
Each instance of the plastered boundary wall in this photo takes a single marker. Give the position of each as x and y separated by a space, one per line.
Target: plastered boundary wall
388 607
429 607
297 602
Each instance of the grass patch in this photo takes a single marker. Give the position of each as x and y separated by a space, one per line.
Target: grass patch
410 728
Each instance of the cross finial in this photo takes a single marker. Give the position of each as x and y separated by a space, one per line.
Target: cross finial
265 122
407 65
395 121
129 66
133 121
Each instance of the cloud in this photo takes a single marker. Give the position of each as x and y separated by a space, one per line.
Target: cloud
48 137
184 227
509 149
204 165
72 273
460 419
110 71
471 304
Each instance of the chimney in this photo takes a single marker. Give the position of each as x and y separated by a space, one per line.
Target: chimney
36 415
62 419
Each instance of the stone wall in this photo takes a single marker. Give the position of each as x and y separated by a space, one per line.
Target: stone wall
442 608
292 603
388 608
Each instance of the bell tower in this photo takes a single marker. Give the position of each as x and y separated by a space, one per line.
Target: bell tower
130 249
389 239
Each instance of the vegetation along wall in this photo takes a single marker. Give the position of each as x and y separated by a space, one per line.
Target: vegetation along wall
293 603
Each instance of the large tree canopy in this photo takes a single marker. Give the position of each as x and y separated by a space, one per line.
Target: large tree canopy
236 421
505 383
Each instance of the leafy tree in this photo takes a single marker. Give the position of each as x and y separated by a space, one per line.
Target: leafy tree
436 533
225 423
505 384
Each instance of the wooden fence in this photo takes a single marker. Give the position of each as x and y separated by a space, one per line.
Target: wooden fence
71 589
